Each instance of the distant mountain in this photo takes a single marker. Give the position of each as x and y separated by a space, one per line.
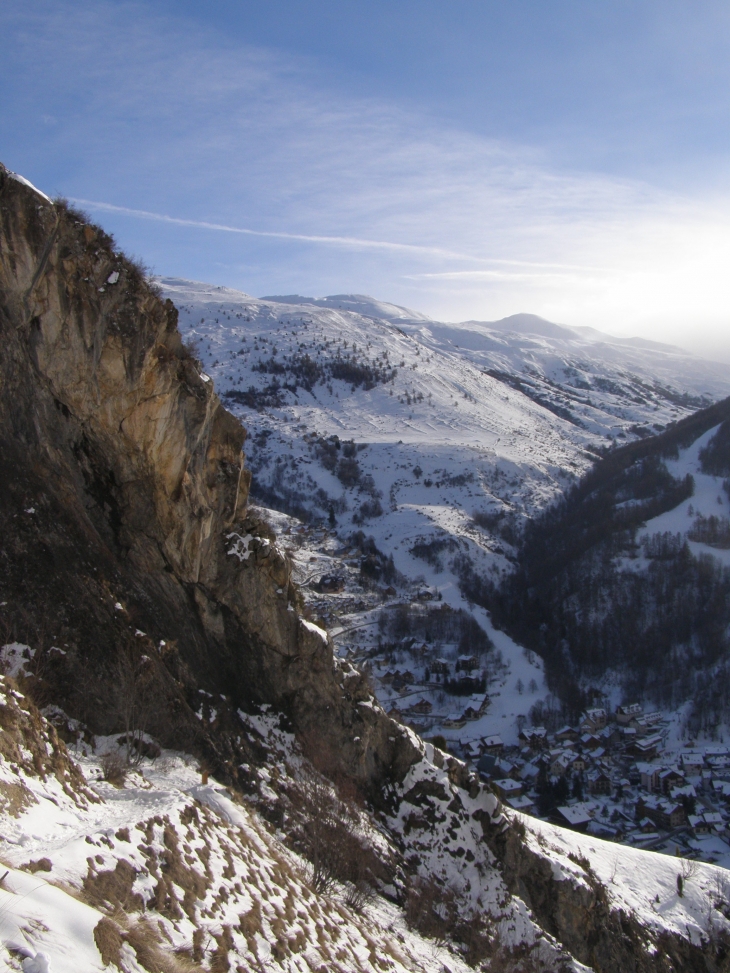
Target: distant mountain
359 303
497 423
526 324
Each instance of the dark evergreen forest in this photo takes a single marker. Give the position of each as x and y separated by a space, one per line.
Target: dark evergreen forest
588 597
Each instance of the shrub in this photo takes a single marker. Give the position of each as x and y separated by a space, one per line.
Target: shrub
114 767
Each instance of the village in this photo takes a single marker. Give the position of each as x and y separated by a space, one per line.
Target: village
620 775
613 774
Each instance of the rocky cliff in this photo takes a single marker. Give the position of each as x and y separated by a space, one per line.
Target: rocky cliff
127 541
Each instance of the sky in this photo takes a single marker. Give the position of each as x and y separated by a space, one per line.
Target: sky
470 159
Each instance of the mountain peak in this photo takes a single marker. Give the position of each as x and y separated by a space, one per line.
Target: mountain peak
524 323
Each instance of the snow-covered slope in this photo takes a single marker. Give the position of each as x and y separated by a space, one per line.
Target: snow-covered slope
162 872
458 431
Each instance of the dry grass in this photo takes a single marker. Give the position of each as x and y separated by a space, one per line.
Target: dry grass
41 865
112 890
108 939
15 798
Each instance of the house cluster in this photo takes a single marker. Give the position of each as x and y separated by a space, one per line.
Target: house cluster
613 776
462 680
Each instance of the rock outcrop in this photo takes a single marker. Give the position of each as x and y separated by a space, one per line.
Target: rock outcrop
123 497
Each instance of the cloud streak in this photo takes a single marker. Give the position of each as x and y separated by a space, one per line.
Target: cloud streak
254 152
355 243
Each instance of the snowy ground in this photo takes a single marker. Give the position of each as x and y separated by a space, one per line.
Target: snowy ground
457 422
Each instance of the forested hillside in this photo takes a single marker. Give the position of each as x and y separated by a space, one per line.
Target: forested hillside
603 585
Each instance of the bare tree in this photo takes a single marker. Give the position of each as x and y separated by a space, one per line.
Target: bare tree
135 701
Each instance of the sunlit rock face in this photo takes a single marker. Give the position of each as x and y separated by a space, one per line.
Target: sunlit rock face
114 437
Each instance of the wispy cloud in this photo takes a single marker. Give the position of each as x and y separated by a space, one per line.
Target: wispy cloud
290 185
355 243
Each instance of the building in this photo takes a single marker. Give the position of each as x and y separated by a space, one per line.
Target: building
507 788
421 706
493 744
576 816
665 814
592 720
465 663
625 714
669 779
693 763
649 776
535 737
476 707
523 803
561 763
599 782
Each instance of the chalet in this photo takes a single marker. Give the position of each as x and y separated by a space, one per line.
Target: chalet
664 814
492 744
669 779
465 663
535 737
522 803
486 765
395 713
721 789
625 714
609 735
692 762
421 706
645 749
440 667
714 820
329 584
677 793
599 782
506 788
566 733
592 720
576 816
698 824
561 764
589 742
491 767
529 774
470 749
454 721
476 706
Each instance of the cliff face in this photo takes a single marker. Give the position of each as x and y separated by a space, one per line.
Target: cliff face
123 498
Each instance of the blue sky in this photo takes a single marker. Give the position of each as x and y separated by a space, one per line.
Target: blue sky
470 159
